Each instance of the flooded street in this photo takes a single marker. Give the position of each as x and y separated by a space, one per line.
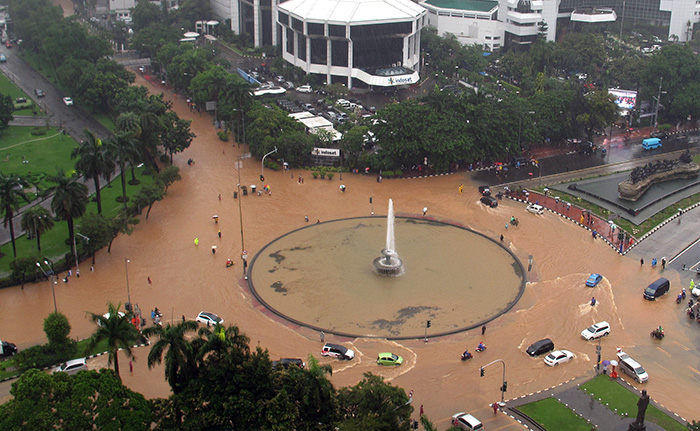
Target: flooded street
188 278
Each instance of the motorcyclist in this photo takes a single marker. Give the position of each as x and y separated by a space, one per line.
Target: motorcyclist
466 355
660 330
481 347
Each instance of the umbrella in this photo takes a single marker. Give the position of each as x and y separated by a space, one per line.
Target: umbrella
613 363
606 363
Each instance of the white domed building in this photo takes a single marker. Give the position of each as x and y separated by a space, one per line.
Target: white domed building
354 42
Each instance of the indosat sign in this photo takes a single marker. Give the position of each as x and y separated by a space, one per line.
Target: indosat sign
328 152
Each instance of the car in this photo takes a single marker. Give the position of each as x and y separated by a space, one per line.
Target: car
485 190
304 89
208 318
540 347
288 362
8 44
389 359
593 280
39 93
558 357
337 351
696 290
489 201
597 330
465 421
657 289
72 367
7 349
535 209
68 101
3 58
660 135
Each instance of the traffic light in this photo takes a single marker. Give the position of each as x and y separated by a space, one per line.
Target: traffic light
370 200
262 178
428 325
504 388
482 372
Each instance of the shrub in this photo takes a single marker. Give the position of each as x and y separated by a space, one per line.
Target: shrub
38 131
387 174
314 174
330 175
223 135
271 164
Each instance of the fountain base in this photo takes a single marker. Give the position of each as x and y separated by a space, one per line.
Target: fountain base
388 265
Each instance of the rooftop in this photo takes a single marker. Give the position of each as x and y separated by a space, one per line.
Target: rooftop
468 5
353 11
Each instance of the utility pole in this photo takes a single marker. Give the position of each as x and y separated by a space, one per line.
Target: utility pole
622 19
658 102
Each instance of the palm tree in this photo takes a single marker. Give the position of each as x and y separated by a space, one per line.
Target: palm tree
70 200
117 330
180 355
151 128
123 148
93 162
10 193
130 123
221 342
37 221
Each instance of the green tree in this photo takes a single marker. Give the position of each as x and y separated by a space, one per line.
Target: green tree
57 329
70 200
145 14
36 221
695 426
86 401
374 404
99 231
6 110
117 330
351 145
177 136
22 266
11 192
599 112
94 162
124 148
168 176
147 196
122 223
171 344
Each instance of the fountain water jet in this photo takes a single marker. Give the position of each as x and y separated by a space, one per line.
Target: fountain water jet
389 264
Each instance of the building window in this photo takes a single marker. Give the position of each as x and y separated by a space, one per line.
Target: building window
316 29
283 18
339 53
319 52
290 41
297 25
336 30
301 46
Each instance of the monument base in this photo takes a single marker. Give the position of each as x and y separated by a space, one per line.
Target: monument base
635 427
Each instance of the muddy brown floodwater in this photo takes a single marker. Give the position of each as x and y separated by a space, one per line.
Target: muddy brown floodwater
187 279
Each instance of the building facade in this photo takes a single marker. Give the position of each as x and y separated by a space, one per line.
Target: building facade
470 21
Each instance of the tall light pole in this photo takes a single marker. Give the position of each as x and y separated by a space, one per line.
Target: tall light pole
504 387
262 164
75 250
240 217
658 101
52 280
126 270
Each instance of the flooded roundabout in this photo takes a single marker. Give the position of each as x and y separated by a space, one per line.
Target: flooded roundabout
322 276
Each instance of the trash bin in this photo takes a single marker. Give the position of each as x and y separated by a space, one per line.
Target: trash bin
245 190
235 195
252 188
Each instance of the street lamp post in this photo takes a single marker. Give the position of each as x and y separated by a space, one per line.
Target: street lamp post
75 250
262 164
658 101
240 217
52 279
504 387
126 270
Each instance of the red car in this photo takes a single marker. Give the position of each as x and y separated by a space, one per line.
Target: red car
8 44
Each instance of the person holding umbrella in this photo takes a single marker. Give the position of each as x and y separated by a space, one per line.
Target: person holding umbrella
605 366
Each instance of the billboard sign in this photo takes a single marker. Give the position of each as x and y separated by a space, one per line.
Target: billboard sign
624 99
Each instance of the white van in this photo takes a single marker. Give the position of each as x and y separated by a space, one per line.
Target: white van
632 368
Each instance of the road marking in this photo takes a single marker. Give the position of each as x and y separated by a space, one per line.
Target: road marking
667 354
684 250
681 346
694 370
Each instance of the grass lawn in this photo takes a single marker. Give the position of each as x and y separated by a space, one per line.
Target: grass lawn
53 242
616 396
106 121
4 365
8 88
43 154
554 415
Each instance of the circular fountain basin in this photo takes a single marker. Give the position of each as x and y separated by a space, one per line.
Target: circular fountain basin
322 277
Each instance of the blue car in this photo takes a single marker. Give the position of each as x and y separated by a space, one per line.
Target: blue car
593 280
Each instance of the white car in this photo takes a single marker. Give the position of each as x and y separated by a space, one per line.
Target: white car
304 89
208 318
466 421
72 367
696 290
68 101
598 330
558 357
535 209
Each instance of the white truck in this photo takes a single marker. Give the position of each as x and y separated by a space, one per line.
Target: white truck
7 349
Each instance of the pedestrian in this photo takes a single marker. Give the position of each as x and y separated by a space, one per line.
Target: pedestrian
425 210
641 261
196 241
92 269
306 218
663 263
593 301
461 187
213 249
149 280
506 226
421 409
70 272
568 206
323 337
318 221
495 407
653 263
483 330
299 180
153 316
581 220
219 234
216 219
292 175
183 318
605 369
131 366
501 237
219 196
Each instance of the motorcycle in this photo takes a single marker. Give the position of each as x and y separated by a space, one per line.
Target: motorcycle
466 356
658 334
481 348
679 298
